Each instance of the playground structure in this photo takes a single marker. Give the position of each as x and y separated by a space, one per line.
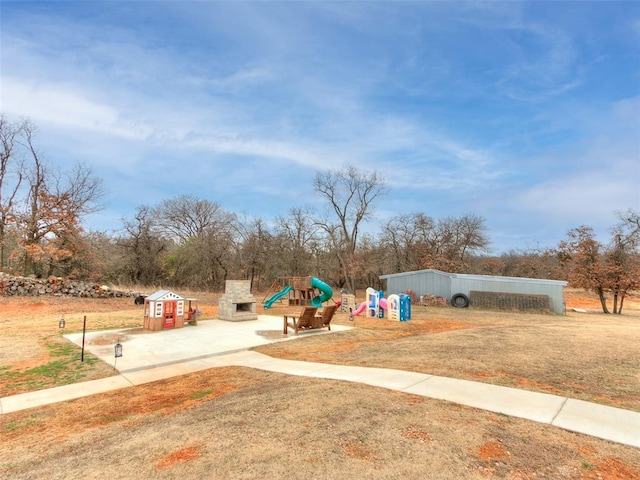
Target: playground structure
299 291
398 306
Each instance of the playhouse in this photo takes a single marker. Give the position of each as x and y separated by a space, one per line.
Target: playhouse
164 309
399 307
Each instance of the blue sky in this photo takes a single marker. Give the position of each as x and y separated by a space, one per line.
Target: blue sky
524 113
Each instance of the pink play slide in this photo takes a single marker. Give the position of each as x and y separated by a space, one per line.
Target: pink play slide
361 308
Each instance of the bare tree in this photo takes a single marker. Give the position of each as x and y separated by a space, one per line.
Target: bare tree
107 262
257 251
462 236
400 238
370 261
298 238
350 195
628 229
529 263
10 177
185 217
143 246
205 261
50 225
418 241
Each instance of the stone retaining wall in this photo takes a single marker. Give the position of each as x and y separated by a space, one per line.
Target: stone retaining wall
28 286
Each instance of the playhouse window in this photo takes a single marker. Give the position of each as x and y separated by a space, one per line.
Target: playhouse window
158 309
180 308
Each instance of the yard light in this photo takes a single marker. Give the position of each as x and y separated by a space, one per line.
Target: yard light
117 353
61 323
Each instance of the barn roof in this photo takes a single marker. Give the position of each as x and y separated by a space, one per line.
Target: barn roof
490 278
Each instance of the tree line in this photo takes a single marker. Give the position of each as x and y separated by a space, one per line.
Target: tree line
192 242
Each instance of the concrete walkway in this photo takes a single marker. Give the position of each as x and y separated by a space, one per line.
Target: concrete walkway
228 345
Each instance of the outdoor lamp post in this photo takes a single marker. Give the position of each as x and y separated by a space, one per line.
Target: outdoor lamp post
61 323
117 353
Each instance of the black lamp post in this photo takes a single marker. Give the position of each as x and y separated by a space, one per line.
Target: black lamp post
61 323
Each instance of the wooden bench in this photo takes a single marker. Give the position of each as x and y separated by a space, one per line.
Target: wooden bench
309 319
323 319
300 321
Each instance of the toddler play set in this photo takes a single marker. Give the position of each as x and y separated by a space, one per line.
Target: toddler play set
397 306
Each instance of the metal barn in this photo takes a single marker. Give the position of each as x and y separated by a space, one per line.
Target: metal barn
450 285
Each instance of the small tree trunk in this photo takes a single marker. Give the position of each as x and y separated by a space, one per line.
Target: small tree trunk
621 302
345 272
2 243
603 301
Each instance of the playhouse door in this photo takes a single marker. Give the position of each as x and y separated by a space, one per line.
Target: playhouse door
169 314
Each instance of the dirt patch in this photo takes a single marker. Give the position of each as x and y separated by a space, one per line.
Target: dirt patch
416 433
270 334
107 339
182 455
492 451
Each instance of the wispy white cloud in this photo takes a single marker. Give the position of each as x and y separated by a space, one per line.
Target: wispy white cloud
244 78
582 198
63 106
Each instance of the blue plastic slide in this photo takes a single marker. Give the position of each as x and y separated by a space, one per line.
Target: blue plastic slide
277 296
327 292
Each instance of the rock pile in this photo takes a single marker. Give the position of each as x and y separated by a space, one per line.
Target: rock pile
432 301
28 286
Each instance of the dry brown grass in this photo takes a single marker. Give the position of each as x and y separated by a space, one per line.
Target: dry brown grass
593 357
237 423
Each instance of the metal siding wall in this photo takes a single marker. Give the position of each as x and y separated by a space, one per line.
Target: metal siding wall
421 283
440 285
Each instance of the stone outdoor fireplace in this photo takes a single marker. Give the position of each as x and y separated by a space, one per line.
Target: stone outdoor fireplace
237 304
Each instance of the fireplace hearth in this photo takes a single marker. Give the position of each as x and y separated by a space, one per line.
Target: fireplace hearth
237 304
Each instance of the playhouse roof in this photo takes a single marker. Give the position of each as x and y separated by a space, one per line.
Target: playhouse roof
164 295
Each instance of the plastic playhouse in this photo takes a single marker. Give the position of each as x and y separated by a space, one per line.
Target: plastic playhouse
398 306
164 309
